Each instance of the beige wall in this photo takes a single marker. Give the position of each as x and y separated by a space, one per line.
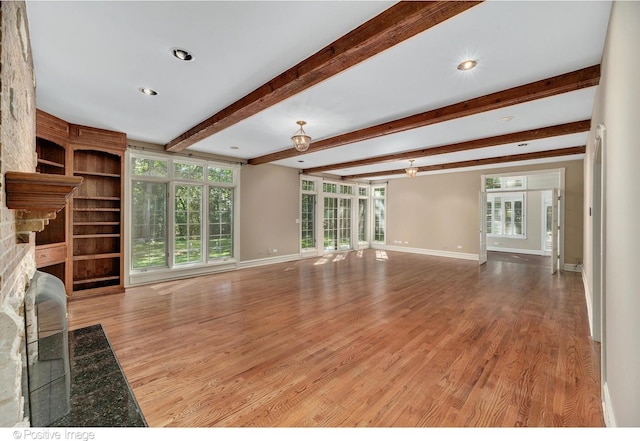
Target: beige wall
17 153
617 105
436 212
269 208
439 212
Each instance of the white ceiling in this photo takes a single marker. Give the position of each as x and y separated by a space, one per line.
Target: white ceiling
91 58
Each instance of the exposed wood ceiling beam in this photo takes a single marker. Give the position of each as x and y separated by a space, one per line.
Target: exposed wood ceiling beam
510 138
398 23
548 87
476 162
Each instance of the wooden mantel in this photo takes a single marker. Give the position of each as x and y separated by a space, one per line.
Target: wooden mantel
37 197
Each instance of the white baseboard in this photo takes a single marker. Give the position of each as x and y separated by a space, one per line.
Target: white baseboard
515 251
609 417
572 267
588 300
268 261
438 253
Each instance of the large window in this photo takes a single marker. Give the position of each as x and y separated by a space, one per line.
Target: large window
220 222
379 213
308 214
505 214
340 216
149 225
201 195
497 183
188 224
505 210
363 214
337 216
344 231
149 246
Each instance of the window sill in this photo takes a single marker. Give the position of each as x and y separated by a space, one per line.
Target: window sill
499 236
180 272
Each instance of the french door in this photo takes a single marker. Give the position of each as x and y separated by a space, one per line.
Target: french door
482 254
555 252
337 224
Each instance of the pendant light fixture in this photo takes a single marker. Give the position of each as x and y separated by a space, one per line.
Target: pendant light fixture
300 139
411 170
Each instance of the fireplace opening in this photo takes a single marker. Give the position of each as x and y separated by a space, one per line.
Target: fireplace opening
47 398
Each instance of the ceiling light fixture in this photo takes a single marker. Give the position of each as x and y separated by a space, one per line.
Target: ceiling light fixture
506 118
300 139
524 144
148 91
182 54
411 170
467 65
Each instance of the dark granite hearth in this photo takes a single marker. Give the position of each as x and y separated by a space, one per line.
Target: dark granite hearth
100 393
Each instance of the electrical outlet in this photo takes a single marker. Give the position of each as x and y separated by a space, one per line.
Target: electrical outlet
459 247
275 250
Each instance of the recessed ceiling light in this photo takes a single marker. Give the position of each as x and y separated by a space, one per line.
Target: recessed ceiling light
182 54
467 65
234 147
148 91
506 118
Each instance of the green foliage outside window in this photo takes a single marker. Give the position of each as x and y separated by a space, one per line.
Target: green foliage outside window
217 174
188 171
148 167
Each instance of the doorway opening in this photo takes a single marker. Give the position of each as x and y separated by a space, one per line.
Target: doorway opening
521 217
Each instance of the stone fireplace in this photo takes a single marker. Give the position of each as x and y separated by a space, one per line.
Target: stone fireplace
17 153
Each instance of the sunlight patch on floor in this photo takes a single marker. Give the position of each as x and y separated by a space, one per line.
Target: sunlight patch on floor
340 257
381 255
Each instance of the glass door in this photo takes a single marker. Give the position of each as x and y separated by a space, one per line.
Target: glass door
330 223
344 222
337 224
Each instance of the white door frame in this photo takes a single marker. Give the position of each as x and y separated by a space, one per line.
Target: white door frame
561 204
598 275
482 203
555 231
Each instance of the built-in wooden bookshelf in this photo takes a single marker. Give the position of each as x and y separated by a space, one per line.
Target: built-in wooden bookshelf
52 143
83 245
97 221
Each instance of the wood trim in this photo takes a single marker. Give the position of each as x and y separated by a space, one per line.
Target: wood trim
52 128
37 197
476 162
91 138
398 23
526 135
39 191
51 254
548 87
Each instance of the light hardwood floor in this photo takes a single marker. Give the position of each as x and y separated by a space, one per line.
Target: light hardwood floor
360 339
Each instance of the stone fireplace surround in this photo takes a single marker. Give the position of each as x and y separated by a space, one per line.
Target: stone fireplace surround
17 153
